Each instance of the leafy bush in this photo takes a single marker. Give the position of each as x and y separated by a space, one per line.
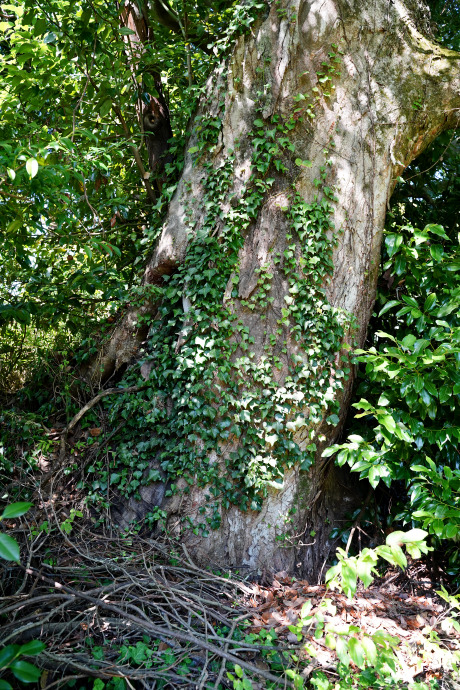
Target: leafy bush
409 420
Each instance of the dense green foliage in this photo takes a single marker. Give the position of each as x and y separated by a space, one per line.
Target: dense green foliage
406 433
75 225
76 230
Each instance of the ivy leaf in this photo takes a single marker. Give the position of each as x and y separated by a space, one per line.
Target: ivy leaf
330 451
303 164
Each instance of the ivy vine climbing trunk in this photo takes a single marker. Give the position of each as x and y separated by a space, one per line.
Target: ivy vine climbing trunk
271 248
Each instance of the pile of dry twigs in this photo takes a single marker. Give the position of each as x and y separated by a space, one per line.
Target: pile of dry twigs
116 607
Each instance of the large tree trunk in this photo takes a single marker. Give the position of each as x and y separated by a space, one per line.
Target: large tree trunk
359 124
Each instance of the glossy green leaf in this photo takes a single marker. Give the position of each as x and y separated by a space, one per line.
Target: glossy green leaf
452 530
429 302
436 230
15 510
32 167
33 647
25 672
9 548
437 252
393 242
388 422
7 654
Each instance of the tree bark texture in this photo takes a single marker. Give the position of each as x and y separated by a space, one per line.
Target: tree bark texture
394 91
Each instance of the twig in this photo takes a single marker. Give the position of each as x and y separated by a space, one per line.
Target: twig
89 405
358 519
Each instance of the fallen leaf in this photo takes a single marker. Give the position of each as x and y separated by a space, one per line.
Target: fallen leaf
282 576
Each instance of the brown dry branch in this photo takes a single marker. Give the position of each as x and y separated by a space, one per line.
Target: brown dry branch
99 600
89 405
103 596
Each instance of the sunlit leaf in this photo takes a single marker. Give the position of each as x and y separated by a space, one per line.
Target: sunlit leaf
32 167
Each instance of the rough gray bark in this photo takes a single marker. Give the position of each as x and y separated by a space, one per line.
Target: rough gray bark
377 129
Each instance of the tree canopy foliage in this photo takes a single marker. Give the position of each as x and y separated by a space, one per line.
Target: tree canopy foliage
75 225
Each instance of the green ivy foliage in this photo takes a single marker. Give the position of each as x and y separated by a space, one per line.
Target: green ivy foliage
206 391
